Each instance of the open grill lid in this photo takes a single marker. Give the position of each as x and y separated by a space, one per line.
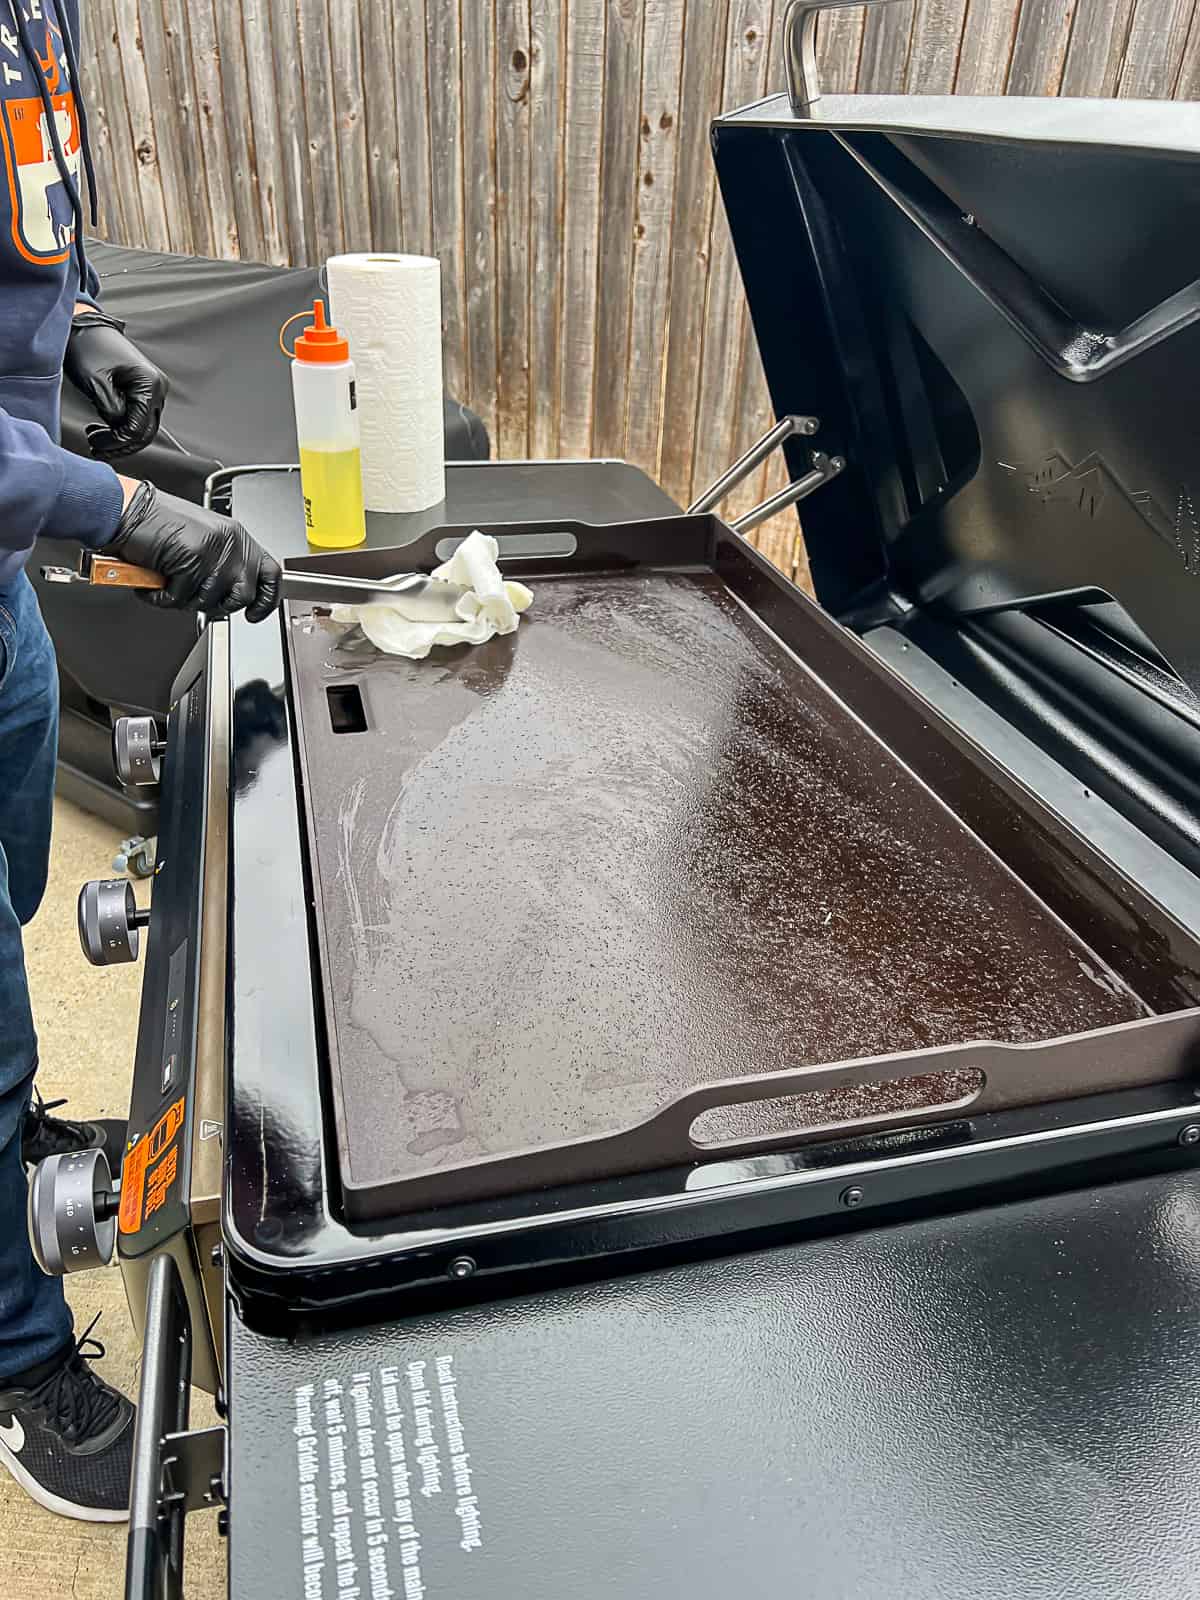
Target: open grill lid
993 306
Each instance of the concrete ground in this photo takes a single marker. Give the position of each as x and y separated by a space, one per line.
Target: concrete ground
87 1024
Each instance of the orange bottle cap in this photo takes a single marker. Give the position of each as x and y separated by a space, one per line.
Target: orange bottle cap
320 342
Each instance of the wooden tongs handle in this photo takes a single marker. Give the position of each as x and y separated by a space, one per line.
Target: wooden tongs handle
105 573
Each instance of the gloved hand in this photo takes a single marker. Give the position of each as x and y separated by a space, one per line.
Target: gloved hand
209 561
127 390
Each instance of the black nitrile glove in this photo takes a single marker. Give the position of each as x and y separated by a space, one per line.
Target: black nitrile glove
210 562
127 390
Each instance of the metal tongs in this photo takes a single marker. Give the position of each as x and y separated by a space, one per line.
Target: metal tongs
414 594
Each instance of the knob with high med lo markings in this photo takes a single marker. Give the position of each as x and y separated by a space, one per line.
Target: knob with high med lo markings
137 751
109 919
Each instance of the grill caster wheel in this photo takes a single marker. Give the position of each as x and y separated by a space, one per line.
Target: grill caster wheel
136 856
137 751
109 919
73 1212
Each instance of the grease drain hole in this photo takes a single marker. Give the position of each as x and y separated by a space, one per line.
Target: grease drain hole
347 714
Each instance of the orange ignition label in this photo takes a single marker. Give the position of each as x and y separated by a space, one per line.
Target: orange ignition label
164 1130
141 1197
133 1186
160 1180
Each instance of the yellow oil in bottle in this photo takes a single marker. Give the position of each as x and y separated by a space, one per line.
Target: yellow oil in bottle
331 484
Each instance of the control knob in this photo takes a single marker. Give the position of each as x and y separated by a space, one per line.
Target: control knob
109 919
73 1212
137 750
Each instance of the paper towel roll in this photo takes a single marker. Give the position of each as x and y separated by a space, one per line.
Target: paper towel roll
390 309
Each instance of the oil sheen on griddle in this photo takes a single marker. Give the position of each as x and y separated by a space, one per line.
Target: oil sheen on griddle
632 849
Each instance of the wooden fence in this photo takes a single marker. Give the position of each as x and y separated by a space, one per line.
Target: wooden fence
554 154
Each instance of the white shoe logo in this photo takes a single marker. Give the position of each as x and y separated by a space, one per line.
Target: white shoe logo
13 1435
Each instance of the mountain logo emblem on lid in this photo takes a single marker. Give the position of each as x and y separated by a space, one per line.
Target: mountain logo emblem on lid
1093 489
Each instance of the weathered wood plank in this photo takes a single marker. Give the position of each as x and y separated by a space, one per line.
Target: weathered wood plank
168 100
987 47
839 49
512 228
445 140
722 428
479 209
650 286
141 125
296 167
937 31
111 222
210 119
412 116
774 473
105 50
350 122
776 73
1188 84
241 132
547 63
801 570
1040 46
267 143
618 202
1154 54
778 540
751 410
177 49
700 94
884 56
321 118
383 137
1096 52
583 118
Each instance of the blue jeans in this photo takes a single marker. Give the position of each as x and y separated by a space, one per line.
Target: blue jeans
34 1320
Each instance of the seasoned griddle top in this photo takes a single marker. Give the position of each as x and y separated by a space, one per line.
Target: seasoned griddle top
633 848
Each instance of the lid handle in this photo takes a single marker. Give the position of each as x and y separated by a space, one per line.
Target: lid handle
800 49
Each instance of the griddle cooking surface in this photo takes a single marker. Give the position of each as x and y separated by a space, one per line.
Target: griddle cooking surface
631 849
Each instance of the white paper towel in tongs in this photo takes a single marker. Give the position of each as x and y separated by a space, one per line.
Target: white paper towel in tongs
390 309
490 606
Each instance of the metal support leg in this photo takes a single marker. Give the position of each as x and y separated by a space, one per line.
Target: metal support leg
823 468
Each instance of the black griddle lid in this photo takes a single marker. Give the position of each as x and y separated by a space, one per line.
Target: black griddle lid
993 307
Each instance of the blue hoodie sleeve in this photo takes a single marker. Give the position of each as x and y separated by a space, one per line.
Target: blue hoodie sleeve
45 489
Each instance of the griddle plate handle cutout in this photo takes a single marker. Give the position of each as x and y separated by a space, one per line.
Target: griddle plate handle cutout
565 546
918 1095
1005 1076
557 544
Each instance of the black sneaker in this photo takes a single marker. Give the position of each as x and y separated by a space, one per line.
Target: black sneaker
67 1436
44 1135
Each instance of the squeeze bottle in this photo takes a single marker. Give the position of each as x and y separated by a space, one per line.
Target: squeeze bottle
327 432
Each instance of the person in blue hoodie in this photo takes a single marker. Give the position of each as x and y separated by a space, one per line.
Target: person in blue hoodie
65 1435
